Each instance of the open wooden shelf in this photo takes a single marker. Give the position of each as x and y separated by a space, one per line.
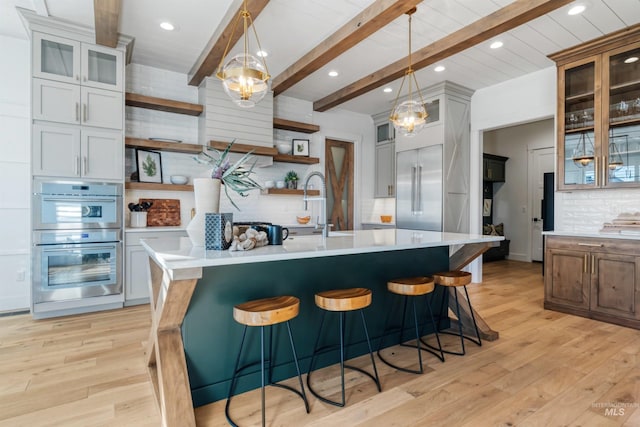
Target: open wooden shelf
161 104
294 126
288 158
290 192
174 147
155 186
244 148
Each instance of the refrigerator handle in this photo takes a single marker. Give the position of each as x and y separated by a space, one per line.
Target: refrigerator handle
413 190
419 190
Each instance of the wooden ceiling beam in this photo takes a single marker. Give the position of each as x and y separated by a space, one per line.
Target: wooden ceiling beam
209 59
367 22
505 19
107 16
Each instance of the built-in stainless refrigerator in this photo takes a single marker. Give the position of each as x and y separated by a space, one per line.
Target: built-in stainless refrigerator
419 189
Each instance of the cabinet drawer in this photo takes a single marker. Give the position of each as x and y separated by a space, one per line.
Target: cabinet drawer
588 244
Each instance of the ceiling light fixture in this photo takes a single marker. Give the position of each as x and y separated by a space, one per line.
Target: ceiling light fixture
576 9
387 90
582 155
333 73
167 26
439 69
410 116
262 54
245 78
631 60
496 44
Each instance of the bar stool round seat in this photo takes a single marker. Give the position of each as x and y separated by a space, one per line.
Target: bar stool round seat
342 301
412 287
454 279
266 312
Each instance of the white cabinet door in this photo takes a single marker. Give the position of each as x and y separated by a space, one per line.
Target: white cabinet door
102 108
102 154
56 102
56 58
56 150
385 170
136 275
101 67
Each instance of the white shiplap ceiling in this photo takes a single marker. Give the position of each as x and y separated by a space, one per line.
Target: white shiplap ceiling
290 28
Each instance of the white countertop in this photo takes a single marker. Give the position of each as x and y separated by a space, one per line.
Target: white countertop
179 253
626 235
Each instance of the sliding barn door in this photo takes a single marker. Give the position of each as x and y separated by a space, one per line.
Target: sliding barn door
339 173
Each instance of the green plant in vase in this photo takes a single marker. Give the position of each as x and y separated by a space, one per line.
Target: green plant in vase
291 178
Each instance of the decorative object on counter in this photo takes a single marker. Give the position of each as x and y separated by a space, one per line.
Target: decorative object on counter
582 155
410 116
291 178
179 179
625 223
386 218
300 147
207 199
218 231
149 166
276 234
251 238
245 78
138 216
280 184
303 219
283 147
163 212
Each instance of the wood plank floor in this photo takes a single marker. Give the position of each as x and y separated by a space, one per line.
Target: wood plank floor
547 369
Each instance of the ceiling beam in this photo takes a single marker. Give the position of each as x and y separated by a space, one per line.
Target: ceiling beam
210 57
505 19
367 22
107 17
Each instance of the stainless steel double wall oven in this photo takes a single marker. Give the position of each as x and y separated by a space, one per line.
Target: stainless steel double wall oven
77 254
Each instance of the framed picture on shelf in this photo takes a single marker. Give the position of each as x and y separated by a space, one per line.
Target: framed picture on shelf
301 147
130 165
149 166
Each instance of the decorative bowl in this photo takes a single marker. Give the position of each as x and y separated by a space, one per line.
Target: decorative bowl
303 219
179 179
386 218
280 184
269 184
283 147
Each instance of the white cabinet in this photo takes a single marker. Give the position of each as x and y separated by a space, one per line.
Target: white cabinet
70 61
385 173
70 151
68 103
136 277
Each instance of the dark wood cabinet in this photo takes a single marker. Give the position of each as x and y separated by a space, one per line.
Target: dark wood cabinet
493 167
596 278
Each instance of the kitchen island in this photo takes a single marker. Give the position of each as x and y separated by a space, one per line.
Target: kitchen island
194 339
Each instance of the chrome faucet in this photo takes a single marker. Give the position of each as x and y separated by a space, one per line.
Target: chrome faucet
322 199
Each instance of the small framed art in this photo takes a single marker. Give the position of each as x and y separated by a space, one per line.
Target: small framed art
301 147
149 166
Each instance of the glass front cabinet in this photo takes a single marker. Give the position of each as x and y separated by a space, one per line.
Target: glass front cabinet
599 114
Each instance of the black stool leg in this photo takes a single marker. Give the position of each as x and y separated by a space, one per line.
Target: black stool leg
342 333
435 329
295 359
233 380
373 362
475 325
264 422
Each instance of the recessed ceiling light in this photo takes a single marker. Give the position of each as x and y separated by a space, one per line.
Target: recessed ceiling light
333 73
496 45
439 69
167 26
576 9
262 54
387 90
631 60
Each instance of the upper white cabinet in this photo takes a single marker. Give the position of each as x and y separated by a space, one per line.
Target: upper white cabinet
70 61
385 170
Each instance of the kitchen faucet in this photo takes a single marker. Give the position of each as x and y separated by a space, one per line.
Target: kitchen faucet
322 199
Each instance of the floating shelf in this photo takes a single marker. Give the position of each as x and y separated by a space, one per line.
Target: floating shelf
290 192
288 158
155 186
244 148
174 147
161 104
294 126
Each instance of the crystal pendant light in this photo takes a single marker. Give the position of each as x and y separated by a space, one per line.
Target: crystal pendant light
410 116
615 159
245 78
581 157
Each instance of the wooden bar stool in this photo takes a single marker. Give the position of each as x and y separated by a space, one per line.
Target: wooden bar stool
412 287
457 279
342 301
266 312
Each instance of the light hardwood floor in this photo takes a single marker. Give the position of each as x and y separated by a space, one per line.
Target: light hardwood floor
547 369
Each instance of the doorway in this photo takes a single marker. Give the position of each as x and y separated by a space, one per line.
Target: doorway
540 161
339 172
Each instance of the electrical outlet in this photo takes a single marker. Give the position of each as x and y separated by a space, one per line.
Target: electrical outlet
20 275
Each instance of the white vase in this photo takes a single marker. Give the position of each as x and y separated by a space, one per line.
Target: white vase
207 198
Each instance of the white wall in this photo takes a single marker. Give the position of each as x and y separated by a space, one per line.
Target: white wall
510 199
15 173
